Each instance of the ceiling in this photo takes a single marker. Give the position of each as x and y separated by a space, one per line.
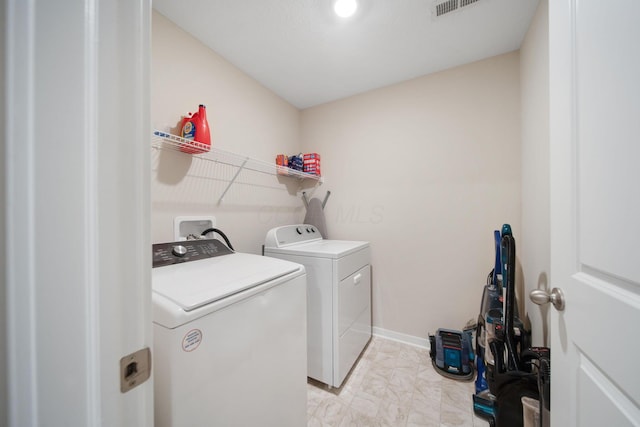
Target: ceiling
307 55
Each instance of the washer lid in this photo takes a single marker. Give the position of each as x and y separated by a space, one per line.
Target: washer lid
194 284
321 248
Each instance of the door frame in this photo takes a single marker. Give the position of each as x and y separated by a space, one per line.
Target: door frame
76 211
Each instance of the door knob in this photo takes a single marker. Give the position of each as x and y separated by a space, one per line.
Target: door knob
541 297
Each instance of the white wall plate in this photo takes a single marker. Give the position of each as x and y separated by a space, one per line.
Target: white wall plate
183 226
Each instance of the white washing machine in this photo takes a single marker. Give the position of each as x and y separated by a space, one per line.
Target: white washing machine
338 297
229 337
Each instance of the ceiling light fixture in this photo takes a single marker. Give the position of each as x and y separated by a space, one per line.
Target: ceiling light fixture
345 8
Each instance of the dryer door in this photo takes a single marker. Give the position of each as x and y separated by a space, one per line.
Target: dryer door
354 321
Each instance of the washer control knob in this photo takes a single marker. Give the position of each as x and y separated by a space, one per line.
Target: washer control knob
299 230
179 251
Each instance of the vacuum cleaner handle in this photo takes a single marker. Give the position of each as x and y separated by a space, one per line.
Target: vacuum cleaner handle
508 248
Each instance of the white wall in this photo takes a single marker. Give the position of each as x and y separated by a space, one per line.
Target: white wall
534 244
244 117
425 170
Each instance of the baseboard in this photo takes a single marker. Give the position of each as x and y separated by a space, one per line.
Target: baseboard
400 337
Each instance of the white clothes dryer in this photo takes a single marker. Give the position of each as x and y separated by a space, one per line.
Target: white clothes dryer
229 335
338 297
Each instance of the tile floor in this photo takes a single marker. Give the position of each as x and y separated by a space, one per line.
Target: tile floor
393 385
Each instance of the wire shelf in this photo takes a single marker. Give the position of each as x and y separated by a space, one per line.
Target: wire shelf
166 141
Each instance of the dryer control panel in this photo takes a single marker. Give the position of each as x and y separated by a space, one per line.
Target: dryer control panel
291 234
189 250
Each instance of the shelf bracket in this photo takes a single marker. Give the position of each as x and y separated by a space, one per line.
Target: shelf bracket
233 180
326 197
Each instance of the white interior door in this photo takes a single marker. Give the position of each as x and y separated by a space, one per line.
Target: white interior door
77 246
595 211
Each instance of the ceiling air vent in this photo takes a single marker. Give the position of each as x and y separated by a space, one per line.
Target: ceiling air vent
442 7
446 6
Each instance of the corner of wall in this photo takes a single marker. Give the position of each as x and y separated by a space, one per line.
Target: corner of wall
535 240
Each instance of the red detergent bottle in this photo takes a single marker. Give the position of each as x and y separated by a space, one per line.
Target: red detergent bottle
196 128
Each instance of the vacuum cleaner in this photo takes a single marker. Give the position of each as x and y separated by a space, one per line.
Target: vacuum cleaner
508 369
490 318
451 354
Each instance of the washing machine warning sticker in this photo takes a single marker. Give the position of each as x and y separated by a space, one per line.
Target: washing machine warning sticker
192 340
